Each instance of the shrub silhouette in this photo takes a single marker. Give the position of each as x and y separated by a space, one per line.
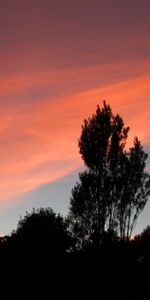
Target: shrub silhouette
40 235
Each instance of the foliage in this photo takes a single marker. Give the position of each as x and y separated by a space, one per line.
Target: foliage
114 188
41 233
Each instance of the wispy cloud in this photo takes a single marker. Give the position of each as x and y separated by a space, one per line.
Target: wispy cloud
57 63
39 140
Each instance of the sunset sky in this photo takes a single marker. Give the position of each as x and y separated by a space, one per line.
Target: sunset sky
58 60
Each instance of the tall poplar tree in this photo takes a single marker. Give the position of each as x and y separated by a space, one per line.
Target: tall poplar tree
114 188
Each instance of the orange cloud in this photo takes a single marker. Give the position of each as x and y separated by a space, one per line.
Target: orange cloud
38 139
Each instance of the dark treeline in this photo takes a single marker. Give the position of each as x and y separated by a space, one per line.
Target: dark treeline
89 254
41 258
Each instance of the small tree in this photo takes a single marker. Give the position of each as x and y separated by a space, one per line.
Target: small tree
42 233
114 189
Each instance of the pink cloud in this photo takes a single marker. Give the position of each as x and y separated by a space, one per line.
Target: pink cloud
38 140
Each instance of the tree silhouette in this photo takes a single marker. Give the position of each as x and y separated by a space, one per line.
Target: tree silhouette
35 256
114 189
40 234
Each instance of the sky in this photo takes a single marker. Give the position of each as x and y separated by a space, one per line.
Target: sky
58 60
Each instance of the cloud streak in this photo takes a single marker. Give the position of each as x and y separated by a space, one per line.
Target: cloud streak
39 140
58 60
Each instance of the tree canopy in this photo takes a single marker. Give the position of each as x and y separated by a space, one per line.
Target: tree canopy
114 188
41 233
